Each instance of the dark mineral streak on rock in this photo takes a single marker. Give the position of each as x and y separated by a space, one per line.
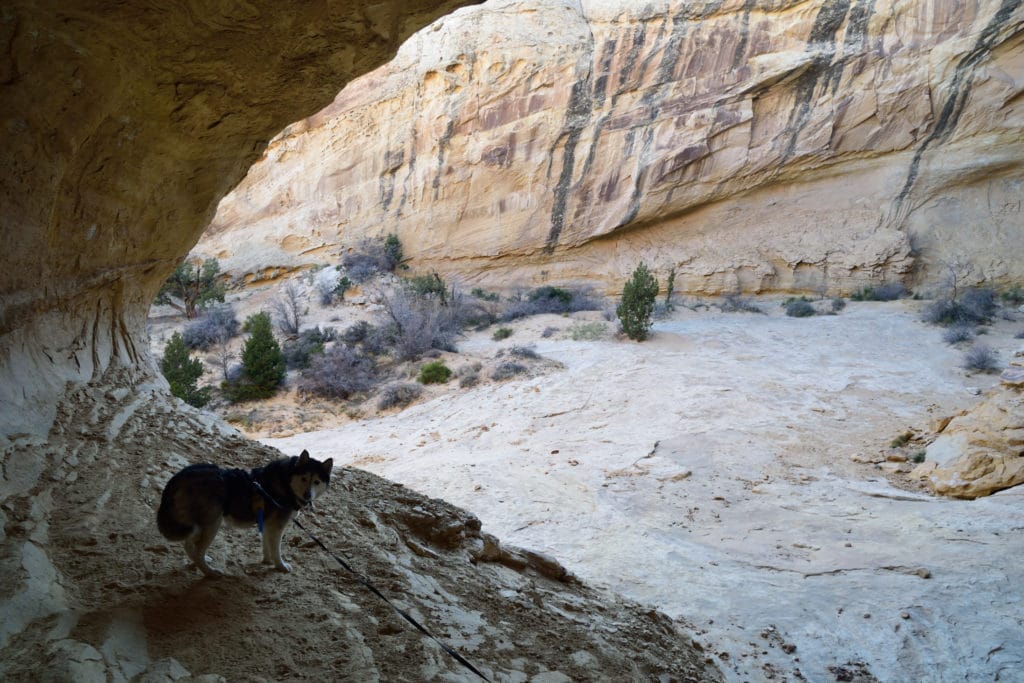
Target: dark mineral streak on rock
959 91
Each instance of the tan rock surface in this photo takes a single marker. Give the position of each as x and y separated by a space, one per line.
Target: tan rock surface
759 145
981 451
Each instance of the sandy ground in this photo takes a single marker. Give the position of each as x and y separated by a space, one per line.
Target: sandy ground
709 472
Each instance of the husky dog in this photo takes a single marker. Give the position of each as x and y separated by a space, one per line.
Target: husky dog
199 497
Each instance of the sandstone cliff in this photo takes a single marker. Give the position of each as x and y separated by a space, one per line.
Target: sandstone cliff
124 126
758 145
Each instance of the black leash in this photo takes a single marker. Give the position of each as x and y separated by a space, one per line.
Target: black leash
373 589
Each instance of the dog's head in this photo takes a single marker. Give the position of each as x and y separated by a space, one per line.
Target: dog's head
310 477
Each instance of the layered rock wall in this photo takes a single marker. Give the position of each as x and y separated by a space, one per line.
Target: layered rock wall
757 145
124 124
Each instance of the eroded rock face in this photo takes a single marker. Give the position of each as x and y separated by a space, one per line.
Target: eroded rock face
982 450
753 145
123 128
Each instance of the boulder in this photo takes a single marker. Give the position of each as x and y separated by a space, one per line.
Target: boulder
980 451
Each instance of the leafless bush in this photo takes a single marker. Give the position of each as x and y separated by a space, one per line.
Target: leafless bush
524 352
215 324
549 300
507 370
399 395
736 303
981 358
958 333
975 306
299 352
371 256
414 324
468 376
339 372
288 309
357 332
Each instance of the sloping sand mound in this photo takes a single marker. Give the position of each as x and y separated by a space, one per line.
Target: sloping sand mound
96 593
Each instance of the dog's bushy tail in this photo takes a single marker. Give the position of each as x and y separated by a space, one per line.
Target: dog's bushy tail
167 521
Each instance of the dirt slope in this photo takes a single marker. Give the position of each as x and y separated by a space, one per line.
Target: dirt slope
112 599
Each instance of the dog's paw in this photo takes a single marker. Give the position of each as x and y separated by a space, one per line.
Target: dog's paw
283 566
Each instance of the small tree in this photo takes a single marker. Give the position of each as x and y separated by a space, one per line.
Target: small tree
637 303
263 367
392 251
222 352
288 309
344 284
670 288
182 371
192 286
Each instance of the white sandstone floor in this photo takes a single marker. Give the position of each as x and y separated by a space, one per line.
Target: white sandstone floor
708 472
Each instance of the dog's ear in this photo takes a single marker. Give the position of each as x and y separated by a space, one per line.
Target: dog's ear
328 465
303 457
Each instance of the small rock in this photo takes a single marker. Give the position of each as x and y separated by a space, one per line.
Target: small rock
788 648
924 573
896 457
904 615
1013 377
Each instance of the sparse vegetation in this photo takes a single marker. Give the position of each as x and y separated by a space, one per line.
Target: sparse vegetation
484 295
339 372
973 307
548 332
799 307
182 372
339 289
469 375
507 370
429 285
372 256
637 304
981 358
434 372
901 440
918 458
670 286
398 395
299 352
415 323
592 331
735 303
263 366
885 292
838 304
547 299
213 327
958 334
357 332
191 287
524 352
502 333
1014 295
